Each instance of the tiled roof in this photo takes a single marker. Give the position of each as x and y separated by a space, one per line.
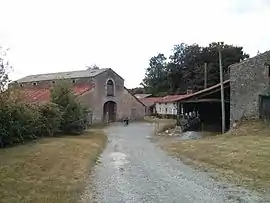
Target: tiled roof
40 95
173 98
169 98
150 100
140 96
62 75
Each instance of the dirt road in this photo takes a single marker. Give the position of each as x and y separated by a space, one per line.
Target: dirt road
134 169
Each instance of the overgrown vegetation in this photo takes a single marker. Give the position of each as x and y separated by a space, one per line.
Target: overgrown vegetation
21 121
240 156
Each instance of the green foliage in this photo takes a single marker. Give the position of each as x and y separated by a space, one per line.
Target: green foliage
21 122
4 66
185 68
137 90
51 117
74 116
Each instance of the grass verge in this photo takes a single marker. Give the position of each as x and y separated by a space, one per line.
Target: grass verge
50 170
241 156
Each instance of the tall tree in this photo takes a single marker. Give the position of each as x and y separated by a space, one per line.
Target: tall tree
155 79
185 69
4 66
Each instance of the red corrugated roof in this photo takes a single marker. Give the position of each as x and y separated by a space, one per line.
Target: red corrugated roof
43 94
173 98
169 98
149 101
205 90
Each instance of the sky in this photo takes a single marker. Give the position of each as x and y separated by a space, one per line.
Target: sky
63 35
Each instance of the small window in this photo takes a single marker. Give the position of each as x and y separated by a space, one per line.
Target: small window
268 70
110 88
165 103
73 81
21 85
166 110
34 83
53 82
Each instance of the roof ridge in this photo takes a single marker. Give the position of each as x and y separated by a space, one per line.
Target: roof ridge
65 72
64 75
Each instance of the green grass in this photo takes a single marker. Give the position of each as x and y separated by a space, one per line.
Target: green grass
241 156
50 170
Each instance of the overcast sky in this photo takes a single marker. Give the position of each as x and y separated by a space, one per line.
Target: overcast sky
62 35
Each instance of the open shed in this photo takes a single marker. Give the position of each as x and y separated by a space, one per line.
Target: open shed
206 105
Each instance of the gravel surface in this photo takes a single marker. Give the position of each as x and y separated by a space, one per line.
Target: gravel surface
134 169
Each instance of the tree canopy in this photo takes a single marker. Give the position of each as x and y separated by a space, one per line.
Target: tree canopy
184 68
4 66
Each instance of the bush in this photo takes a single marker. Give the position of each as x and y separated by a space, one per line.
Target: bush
21 122
51 117
74 115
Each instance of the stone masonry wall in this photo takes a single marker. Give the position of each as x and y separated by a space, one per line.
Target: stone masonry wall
100 97
127 105
131 107
50 83
248 80
95 99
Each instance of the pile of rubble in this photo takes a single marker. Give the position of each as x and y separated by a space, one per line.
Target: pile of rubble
175 132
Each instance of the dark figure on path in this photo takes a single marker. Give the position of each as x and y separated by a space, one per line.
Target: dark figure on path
126 120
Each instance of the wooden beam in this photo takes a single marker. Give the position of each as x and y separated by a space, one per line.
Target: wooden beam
203 100
205 93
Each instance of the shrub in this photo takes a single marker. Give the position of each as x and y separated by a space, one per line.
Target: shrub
51 117
19 121
74 115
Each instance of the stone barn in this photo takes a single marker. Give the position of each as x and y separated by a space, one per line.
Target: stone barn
102 91
250 90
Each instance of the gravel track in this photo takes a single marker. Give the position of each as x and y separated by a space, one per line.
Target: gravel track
134 169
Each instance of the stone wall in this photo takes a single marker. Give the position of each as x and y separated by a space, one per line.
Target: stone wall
130 106
50 83
248 80
94 100
99 97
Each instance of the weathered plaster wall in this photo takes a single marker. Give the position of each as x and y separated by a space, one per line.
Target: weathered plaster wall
130 106
50 83
100 94
166 108
248 80
95 99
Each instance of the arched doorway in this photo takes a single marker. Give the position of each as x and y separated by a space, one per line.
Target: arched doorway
109 111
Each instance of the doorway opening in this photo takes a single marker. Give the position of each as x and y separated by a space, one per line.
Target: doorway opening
109 111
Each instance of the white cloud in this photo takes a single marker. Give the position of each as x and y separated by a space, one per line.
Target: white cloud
49 36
